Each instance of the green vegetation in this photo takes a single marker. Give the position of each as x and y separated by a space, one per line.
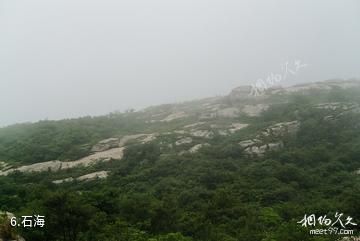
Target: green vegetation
216 194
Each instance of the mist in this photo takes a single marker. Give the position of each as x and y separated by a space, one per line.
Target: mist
64 59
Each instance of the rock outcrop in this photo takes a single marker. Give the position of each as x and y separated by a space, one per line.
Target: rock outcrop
230 112
241 92
202 133
105 145
186 140
254 148
174 116
87 177
197 147
254 110
104 156
236 127
259 146
281 129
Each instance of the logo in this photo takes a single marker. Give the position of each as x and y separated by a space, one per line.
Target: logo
337 224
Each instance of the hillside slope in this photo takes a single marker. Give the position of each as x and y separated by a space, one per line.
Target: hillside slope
237 167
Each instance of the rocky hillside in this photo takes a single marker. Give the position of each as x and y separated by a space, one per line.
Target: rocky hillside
190 126
236 145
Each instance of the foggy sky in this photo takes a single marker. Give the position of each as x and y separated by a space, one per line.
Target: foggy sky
69 58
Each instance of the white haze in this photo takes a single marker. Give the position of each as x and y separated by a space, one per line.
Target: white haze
70 58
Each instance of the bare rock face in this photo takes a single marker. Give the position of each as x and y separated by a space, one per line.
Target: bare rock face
93 176
223 132
230 112
260 150
256 150
338 109
282 128
104 151
186 140
328 106
174 116
4 166
202 133
69 179
180 132
324 85
103 156
41 167
258 146
194 125
248 143
197 147
236 127
254 110
105 145
8 216
87 177
241 92
207 116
